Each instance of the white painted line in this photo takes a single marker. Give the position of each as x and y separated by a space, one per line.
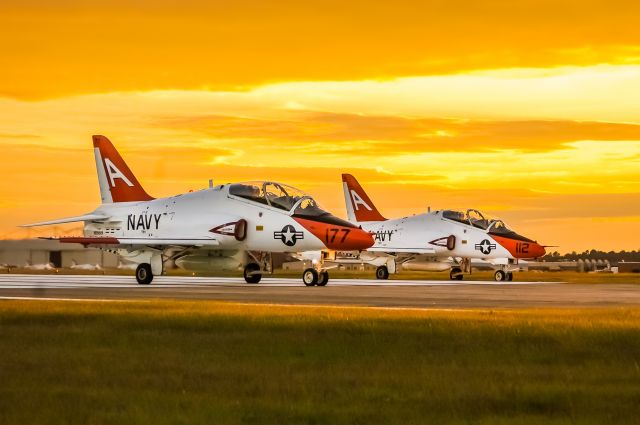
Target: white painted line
185 282
100 300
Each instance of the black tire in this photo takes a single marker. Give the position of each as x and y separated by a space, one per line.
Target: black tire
510 276
310 277
382 273
252 278
500 276
144 275
456 274
323 278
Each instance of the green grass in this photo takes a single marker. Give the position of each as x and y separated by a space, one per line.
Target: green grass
219 363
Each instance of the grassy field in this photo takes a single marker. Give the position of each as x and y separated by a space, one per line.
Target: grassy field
219 363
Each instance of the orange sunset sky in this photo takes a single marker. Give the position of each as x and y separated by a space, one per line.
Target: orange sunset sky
528 110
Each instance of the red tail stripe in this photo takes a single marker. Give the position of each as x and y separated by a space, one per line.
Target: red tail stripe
120 190
361 211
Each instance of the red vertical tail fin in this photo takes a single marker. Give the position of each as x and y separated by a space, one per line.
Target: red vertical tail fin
117 182
359 205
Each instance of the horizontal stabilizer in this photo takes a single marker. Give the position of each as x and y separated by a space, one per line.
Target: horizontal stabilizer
86 217
136 242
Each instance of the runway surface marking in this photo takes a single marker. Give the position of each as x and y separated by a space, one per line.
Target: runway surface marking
427 294
98 281
93 300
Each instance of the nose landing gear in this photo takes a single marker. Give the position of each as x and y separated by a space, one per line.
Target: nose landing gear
502 276
323 278
310 277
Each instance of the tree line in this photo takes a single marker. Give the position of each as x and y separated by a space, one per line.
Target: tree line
594 254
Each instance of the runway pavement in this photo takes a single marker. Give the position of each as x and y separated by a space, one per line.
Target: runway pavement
391 293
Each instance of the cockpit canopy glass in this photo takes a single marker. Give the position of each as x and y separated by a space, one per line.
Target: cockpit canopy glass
476 219
309 208
274 194
499 227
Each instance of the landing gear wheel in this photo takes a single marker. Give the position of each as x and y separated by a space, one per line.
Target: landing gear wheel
510 276
249 277
310 277
323 278
382 272
455 274
500 276
144 276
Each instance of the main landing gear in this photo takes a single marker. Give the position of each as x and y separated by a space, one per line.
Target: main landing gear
456 273
259 263
144 275
382 273
252 273
501 276
150 264
310 277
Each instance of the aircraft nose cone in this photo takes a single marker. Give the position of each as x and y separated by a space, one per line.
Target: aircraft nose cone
521 247
538 251
356 240
338 237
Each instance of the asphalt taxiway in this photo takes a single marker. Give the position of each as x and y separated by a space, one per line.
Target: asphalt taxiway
360 292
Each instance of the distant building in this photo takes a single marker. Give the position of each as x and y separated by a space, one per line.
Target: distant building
24 252
630 267
19 253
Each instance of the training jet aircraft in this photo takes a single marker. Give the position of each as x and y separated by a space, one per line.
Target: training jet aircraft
225 227
439 240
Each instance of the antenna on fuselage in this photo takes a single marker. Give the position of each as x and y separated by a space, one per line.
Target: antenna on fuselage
210 183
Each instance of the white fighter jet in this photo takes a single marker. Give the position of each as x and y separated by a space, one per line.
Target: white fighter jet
436 241
229 226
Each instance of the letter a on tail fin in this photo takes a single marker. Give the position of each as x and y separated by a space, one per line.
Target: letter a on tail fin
117 182
359 206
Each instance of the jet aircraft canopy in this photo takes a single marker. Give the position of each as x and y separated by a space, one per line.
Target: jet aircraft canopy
287 198
274 194
476 219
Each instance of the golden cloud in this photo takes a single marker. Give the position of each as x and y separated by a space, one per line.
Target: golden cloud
75 47
332 133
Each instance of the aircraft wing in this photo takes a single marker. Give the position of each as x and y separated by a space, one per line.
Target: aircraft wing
142 242
86 217
417 250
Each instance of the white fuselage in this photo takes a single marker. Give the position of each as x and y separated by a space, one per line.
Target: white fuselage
189 219
420 234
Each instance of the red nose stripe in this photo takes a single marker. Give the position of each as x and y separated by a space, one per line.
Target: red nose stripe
520 249
338 237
